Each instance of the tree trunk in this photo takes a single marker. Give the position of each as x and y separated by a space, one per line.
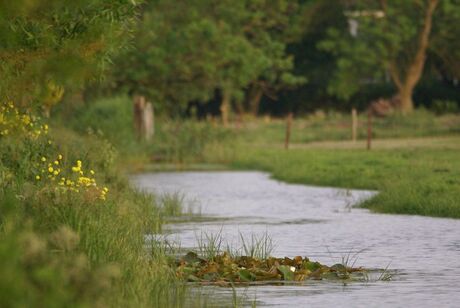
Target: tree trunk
224 107
255 96
405 97
407 83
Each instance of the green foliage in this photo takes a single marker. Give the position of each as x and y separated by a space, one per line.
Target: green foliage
66 248
111 117
175 140
187 50
445 106
386 42
187 141
64 42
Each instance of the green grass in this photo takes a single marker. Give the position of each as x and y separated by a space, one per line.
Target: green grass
419 181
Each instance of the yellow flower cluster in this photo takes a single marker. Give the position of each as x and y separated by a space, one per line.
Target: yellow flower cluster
49 172
75 181
12 121
50 169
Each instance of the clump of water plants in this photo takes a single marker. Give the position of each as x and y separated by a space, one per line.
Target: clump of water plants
225 270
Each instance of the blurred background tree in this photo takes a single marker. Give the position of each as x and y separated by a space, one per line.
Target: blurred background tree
248 56
391 40
193 50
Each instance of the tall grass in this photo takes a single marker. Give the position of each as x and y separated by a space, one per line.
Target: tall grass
210 245
259 247
64 248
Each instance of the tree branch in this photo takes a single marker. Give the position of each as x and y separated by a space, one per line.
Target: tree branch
394 73
416 68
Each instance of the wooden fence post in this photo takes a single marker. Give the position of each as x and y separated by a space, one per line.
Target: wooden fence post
288 130
138 107
354 124
143 118
148 122
369 128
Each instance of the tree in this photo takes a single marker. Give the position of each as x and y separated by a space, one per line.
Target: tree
315 65
49 45
187 50
271 26
389 38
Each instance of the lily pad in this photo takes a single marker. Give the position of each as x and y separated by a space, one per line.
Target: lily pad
288 273
246 275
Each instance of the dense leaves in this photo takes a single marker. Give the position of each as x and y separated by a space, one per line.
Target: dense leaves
187 50
390 40
44 43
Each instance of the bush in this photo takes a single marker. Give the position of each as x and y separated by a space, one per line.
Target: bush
444 106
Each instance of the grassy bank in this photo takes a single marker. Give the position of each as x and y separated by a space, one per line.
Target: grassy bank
419 181
72 231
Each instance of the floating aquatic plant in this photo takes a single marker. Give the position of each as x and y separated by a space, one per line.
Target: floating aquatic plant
225 270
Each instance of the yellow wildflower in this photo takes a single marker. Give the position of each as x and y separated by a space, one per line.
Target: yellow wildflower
26 119
37 177
50 169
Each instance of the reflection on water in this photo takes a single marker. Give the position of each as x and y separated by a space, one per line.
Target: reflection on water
321 224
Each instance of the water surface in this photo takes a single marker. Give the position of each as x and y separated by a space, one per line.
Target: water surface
322 224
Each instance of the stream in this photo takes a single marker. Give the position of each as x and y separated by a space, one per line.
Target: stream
322 224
